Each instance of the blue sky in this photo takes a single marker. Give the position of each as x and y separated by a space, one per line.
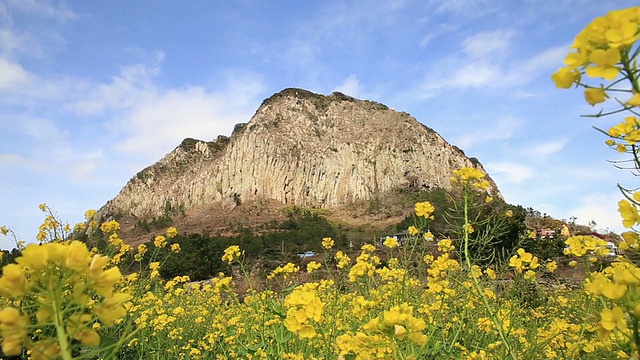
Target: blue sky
93 91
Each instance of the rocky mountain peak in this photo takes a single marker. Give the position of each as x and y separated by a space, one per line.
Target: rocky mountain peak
299 148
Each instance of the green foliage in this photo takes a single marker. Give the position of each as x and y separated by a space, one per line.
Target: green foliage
200 255
157 223
545 248
439 198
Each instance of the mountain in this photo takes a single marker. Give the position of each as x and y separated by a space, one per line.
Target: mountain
299 148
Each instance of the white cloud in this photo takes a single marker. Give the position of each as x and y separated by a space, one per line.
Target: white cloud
11 74
509 172
484 44
161 122
465 8
351 86
9 160
84 169
132 85
599 207
546 148
475 67
12 42
502 129
151 120
42 8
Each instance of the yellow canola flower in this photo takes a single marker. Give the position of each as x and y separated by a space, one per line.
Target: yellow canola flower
530 275
303 307
160 241
613 318
45 349
172 232
446 245
110 227
424 209
634 100
468 174
603 63
175 248
13 329
400 322
343 260
390 243
286 270
564 78
327 243
13 281
525 256
524 261
232 253
313 266
307 331
629 213
631 240
34 256
595 96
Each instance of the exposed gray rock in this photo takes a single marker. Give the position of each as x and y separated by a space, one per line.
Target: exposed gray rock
302 149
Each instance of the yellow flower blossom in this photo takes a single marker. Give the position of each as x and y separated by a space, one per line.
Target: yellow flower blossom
390 243
424 209
172 232
629 213
564 78
327 243
232 253
160 241
312 266
595 96
110 227
343 260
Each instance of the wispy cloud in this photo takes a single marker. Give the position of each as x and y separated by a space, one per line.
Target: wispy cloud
488 60
9 160
42 8
465 8
598 206
545 148
130 86
484 44
11 74
502 129
509 172
352 87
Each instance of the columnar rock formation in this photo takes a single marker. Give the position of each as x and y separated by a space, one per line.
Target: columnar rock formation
299 148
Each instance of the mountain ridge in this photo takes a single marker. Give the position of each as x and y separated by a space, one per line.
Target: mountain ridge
298 149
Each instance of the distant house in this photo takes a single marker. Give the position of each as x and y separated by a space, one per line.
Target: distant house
307 254
547 233
401 237
611 246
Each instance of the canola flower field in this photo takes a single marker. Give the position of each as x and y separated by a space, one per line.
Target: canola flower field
419 299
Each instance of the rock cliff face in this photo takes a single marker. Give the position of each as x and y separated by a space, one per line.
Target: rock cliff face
299 148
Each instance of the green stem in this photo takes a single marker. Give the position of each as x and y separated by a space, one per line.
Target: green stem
476 284
63 339
636 335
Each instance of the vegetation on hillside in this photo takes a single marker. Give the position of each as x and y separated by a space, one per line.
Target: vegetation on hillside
473 293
